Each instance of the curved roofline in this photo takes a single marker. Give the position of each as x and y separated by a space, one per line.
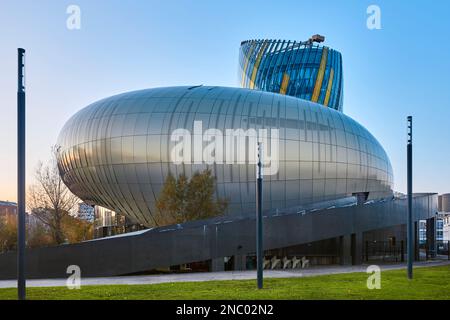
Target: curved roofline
295 43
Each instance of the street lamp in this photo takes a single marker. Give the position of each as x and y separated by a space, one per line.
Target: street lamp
21 174
259 235
410 230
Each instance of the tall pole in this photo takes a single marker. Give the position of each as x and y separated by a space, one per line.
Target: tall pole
410 232
259 227
21 291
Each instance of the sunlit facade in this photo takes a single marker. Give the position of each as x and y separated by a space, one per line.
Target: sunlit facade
116 152
8 208
300 69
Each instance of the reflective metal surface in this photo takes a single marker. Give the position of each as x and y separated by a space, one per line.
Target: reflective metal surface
444 202
299 69
116 152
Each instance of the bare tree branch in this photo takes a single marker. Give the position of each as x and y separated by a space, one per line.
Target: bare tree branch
50 199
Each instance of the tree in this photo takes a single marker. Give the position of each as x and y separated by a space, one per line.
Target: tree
77 230
184 200
49 199
172 200
38 235
8 233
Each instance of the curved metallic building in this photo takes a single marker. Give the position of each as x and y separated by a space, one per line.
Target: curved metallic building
116 152
300 69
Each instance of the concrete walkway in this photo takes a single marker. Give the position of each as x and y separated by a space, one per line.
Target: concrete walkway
209 276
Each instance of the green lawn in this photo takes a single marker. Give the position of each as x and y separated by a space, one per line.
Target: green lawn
428 283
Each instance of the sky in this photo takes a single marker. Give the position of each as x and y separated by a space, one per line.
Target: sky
389 73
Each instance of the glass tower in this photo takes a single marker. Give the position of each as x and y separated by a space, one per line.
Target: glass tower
300 69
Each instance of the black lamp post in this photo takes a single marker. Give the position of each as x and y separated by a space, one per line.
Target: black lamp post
21 289
259 231
410 231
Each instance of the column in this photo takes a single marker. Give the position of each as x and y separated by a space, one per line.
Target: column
357 248
431 237
239 262
345 244
416 241
217 264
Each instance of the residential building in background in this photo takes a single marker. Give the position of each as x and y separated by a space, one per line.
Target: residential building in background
8 208
446 228
444 213
109 223
439 230
85 212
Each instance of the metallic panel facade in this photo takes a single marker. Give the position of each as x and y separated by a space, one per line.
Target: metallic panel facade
444 202
116 152
264 64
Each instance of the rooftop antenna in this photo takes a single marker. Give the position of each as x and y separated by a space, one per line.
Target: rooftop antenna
315 38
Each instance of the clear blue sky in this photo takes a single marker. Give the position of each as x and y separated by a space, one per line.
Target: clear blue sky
402 69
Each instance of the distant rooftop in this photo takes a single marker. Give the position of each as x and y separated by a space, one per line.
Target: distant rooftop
7 203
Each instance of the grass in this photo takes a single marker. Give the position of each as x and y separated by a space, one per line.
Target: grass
428 283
